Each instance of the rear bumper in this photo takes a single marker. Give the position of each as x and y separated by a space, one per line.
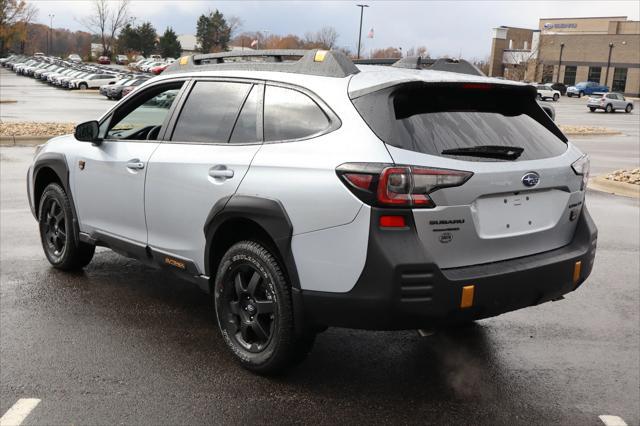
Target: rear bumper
401 288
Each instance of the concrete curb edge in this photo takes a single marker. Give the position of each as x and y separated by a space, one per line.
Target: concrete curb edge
24 140
599 183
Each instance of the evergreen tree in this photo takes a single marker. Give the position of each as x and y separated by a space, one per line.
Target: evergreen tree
169 45
128 39
213 32
148 36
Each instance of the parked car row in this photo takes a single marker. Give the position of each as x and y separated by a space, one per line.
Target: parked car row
153 65
124 86
66 74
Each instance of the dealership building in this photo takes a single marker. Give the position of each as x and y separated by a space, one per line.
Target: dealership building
570 50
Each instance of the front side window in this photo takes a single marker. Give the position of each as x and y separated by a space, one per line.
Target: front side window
210 112
142 118
289 114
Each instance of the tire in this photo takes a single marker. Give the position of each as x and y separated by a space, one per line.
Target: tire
581 94
608 108
55 217
83 86
628 109
592 109
570 95
249 280
556 97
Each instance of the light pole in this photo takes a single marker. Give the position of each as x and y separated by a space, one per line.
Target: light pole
361 6
560 60
606 76
50 44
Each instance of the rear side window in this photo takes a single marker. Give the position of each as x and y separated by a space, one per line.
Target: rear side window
289 114
431 119
210 111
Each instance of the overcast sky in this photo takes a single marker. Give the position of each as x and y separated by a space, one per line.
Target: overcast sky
444 27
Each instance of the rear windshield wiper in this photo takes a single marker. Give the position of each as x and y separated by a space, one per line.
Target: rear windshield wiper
487 151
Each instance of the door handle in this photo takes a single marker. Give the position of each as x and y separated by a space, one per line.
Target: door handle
218 172
135 165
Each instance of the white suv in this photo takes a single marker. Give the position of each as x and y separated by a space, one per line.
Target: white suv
545 91
92 81
314 193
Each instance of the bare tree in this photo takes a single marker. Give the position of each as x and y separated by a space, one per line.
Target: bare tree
418 51
234 23
15 16
325 38
106 20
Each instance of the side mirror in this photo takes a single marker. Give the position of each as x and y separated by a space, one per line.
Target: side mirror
88 132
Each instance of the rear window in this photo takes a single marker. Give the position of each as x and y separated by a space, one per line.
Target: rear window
431 119
596 95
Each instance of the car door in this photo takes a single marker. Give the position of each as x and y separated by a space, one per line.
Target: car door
215 137
109 180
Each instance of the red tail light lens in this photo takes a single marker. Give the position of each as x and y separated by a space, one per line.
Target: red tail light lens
400 186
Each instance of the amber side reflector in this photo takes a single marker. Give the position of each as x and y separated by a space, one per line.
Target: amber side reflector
467 297
576 271
320 54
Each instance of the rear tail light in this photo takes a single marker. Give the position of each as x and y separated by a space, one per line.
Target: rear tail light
400 186
581 167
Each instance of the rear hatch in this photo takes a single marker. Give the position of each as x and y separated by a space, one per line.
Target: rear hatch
522 197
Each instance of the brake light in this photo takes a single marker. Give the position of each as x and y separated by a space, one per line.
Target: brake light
398 186
477 86
581 167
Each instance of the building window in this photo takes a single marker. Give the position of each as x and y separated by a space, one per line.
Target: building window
547 73
619 80
570 75
594 74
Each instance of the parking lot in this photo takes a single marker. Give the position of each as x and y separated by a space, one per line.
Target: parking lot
123 343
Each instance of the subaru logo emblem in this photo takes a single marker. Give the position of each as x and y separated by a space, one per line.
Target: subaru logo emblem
531 179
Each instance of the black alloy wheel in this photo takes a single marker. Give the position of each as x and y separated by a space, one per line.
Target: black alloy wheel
248 307
254 309
55 228
60 243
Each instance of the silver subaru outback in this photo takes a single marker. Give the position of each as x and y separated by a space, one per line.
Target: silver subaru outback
303 191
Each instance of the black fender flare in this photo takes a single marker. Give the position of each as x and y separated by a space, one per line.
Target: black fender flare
267 213
272 217
58 163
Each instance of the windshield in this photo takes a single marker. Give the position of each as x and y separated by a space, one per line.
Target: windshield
443 119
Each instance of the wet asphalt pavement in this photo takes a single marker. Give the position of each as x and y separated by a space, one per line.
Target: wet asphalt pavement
121 343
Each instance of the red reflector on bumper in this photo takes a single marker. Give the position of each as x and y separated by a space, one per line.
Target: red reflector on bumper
392 222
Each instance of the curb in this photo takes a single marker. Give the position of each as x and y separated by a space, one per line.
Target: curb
612 187
23 140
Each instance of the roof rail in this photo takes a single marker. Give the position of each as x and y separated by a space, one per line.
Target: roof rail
459 66
326 63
